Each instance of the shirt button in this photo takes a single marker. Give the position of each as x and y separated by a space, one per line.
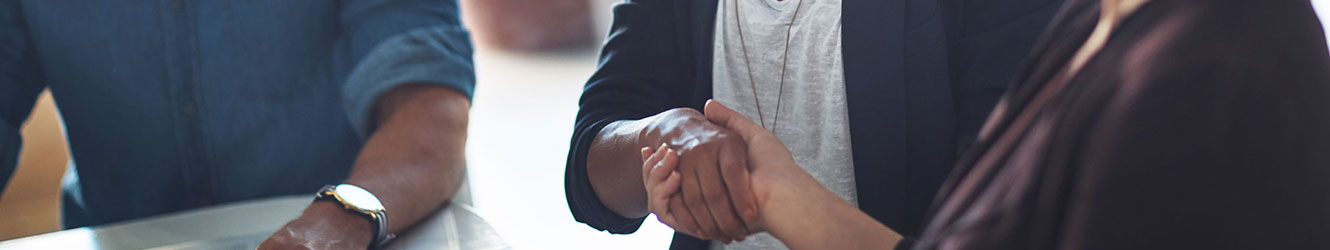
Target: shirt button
175 4
188 108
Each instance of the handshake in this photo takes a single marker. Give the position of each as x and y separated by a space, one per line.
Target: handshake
714 175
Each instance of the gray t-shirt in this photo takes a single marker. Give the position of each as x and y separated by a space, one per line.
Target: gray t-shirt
814 121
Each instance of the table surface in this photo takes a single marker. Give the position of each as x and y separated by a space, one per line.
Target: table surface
243 225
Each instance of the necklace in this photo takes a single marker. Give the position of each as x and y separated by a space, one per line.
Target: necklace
752 84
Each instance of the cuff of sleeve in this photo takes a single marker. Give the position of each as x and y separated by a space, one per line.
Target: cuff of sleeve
10 143
906 243
439 55
582 200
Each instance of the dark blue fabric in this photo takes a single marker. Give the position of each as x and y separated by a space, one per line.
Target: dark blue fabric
174 104
920 76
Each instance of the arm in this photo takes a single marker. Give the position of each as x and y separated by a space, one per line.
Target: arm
609 152
408 92
628 88
796 209
632 102
413 163
20 82
808 216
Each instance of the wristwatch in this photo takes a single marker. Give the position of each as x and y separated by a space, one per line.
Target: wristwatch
363 203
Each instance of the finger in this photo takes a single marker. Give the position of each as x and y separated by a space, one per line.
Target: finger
646 156
691 188
734 168
662 170
667 219
720 114
660 203
683 218
646 152
718 199
666 165
651 162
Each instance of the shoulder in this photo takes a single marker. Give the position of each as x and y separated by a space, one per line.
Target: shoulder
1224 45
1233 32
1230 66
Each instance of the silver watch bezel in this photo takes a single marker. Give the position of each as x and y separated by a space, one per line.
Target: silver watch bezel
376 213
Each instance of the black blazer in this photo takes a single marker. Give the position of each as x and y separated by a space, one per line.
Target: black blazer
920 78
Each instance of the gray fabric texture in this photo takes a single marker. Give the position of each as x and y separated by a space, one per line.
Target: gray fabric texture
813 118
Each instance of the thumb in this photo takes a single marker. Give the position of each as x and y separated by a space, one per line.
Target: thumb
728 118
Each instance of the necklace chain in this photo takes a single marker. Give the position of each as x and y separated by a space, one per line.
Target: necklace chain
752 84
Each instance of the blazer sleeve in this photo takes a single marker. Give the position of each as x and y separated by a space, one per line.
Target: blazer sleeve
20 83
1220 141
639 75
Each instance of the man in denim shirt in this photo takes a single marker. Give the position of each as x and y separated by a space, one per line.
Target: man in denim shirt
178 104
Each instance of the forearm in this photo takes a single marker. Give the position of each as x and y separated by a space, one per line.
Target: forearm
812 217
613 166
414 162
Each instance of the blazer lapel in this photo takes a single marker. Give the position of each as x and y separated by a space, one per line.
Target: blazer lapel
873 46
702 25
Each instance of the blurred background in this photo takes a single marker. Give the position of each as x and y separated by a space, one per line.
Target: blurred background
530 71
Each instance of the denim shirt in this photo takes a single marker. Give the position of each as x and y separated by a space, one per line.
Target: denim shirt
177 104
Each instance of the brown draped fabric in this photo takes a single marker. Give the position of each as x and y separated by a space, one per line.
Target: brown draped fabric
1201 124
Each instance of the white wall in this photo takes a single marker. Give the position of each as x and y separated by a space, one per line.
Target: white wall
1323 11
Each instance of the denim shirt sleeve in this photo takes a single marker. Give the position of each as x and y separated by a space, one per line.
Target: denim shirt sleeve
19 85
395 42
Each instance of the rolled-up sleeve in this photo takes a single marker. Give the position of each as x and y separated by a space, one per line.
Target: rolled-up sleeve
20 82
388 43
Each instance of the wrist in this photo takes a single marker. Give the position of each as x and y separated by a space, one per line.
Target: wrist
812 217
651 132
791 201
335 222
668 125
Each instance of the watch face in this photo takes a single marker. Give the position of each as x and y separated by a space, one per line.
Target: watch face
358 198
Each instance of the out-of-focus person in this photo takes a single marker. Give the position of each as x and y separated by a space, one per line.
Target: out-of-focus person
172 105
1138 124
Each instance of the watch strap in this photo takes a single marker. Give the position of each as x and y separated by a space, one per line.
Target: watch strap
380 224
378 219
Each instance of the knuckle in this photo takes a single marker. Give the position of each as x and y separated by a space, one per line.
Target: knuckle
688 112
705 144
693 113
723 136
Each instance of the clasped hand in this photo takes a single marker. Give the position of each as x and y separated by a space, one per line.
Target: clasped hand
711 180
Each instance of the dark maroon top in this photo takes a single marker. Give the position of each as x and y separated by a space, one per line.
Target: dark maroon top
1201 124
